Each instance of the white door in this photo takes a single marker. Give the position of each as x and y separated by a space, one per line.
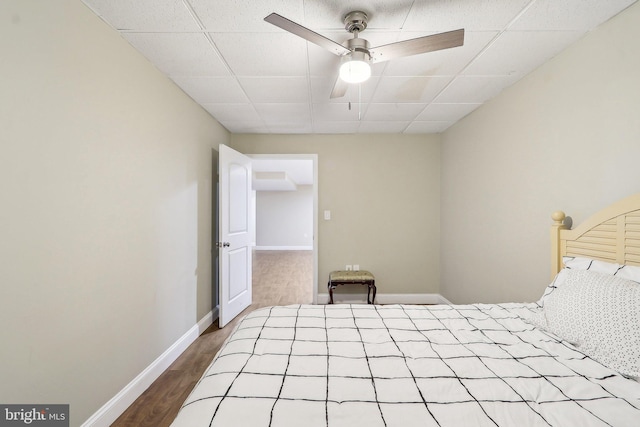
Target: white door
234 202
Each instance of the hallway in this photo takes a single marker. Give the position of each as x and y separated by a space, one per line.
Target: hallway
282 278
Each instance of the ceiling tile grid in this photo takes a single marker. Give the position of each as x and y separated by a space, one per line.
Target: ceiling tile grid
179 54
231 112
212 90
255 77
419 127
445 113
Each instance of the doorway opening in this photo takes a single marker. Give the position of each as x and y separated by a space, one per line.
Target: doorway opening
285 260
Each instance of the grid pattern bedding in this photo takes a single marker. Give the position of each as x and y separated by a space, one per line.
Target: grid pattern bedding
402 365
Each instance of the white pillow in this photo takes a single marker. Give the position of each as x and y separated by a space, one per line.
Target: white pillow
557 282
628 272
600 315
580 263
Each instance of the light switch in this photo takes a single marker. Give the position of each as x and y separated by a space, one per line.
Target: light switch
327 215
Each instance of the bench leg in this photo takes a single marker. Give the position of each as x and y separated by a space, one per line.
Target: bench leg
372 285
330 292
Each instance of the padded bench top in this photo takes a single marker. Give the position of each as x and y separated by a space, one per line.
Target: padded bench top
350 276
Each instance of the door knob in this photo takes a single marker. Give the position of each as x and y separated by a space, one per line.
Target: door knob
222 244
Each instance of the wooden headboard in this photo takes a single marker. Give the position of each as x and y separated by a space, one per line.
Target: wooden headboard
611 235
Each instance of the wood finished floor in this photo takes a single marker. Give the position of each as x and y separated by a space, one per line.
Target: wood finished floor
279 278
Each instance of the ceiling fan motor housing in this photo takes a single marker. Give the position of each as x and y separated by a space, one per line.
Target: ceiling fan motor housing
355 21
357 45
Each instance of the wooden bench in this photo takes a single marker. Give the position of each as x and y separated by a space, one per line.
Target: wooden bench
359 277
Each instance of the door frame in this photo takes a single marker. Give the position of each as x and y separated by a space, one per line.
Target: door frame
314 159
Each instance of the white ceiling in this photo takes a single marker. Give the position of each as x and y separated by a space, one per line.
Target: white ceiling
254 77
272 174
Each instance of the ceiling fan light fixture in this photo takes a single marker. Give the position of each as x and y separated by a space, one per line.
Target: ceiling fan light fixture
356 68
356 53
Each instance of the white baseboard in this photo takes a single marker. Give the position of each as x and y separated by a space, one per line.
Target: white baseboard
284 248
116 406
385 298
207 320
444 300
213 316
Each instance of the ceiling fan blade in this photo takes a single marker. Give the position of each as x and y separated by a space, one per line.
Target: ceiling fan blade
418 45
307 34
339 88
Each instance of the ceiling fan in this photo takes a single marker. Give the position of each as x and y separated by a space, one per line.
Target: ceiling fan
357 55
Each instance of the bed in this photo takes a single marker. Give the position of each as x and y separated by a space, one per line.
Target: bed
570 359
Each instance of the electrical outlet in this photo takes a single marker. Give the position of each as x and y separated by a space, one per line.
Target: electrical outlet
356 267
349 267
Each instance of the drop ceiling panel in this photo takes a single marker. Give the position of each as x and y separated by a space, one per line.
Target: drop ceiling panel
276 89
335 127
244 16
474 89
284 113
291 127
266 54
245 126
386 126
337 112
518 53
207 90
472 15
409 89
393 112
359 93
179 54
145 15
233 112
254 77
417 127
567 15
383 14
450 113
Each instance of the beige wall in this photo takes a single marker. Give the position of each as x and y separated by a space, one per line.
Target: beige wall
383 192
105 183
285 218
566 137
